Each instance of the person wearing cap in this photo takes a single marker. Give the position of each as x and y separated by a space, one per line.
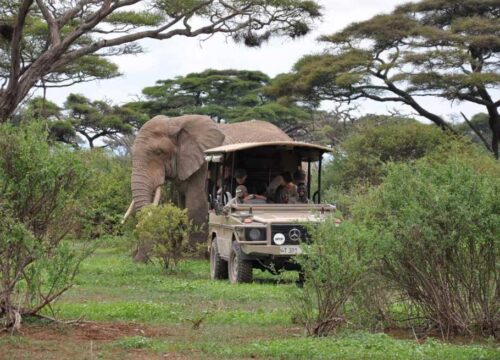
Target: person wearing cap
241 178
242 196
230 183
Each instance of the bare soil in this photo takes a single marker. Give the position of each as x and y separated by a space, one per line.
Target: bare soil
86 340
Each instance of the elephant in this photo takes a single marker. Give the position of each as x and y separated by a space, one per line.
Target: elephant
173 149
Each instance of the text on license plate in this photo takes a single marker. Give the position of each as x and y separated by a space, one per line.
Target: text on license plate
290 250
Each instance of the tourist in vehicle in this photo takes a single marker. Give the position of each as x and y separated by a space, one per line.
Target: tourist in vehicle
299 177
282 195
301 197
241 193
241 178
242 197
229 182
284 179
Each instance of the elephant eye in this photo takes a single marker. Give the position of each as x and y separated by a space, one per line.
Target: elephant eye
156 151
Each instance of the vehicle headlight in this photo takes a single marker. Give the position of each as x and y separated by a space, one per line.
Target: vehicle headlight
255 234
279 239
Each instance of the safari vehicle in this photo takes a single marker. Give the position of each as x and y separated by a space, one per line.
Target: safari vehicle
259 233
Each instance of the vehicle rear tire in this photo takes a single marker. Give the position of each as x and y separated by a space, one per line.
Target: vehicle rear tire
240 271
218 266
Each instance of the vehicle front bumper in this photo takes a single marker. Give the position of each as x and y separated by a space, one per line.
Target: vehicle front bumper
270 250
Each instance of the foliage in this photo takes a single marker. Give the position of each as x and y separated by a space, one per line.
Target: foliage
59 43
143 305
477 128
428 48
224 95
103 206
97 119
437 223
39 189
82 120
165 229
333 265
374 142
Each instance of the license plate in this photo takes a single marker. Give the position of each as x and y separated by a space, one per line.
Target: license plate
290 250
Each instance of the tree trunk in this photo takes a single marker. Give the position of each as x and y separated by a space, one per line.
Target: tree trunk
494 122
7 106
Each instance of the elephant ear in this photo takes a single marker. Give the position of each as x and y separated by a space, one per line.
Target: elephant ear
197 134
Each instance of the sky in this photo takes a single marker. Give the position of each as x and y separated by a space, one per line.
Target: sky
181 56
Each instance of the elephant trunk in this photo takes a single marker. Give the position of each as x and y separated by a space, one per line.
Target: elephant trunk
145 183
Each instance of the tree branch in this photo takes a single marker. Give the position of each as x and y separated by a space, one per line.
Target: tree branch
477 132
55 35
154 34
16 43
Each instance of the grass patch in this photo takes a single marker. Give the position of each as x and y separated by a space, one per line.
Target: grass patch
358 345
203 319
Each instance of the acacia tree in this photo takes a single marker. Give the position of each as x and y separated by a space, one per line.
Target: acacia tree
447 48
82 120
97 119
229 95
215 93
75 30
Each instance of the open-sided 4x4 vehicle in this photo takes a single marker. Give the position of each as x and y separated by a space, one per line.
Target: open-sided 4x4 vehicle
260 232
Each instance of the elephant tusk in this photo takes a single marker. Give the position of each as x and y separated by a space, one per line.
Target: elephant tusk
129 211
156 199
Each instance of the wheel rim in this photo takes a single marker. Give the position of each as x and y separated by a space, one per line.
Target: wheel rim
234 267
212 260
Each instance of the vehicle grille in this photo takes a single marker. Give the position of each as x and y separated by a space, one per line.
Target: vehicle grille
285 229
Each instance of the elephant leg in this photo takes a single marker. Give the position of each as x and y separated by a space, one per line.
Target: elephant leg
141 253
197 206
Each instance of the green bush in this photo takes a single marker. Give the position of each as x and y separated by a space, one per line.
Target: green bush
333 266
104 205
164 230
361 158
437 223
39 190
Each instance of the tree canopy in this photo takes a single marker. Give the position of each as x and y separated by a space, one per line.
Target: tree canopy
60 42
448 49
83 119
229 95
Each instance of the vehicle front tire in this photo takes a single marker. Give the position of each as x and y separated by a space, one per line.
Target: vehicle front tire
240 271
218 266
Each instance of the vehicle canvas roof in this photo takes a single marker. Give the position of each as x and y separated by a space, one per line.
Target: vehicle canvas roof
314 150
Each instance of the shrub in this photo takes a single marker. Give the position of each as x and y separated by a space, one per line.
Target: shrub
361 158
39 190
104 205
438 222
164 230
333 266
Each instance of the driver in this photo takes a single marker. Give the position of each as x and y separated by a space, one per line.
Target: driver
242 196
